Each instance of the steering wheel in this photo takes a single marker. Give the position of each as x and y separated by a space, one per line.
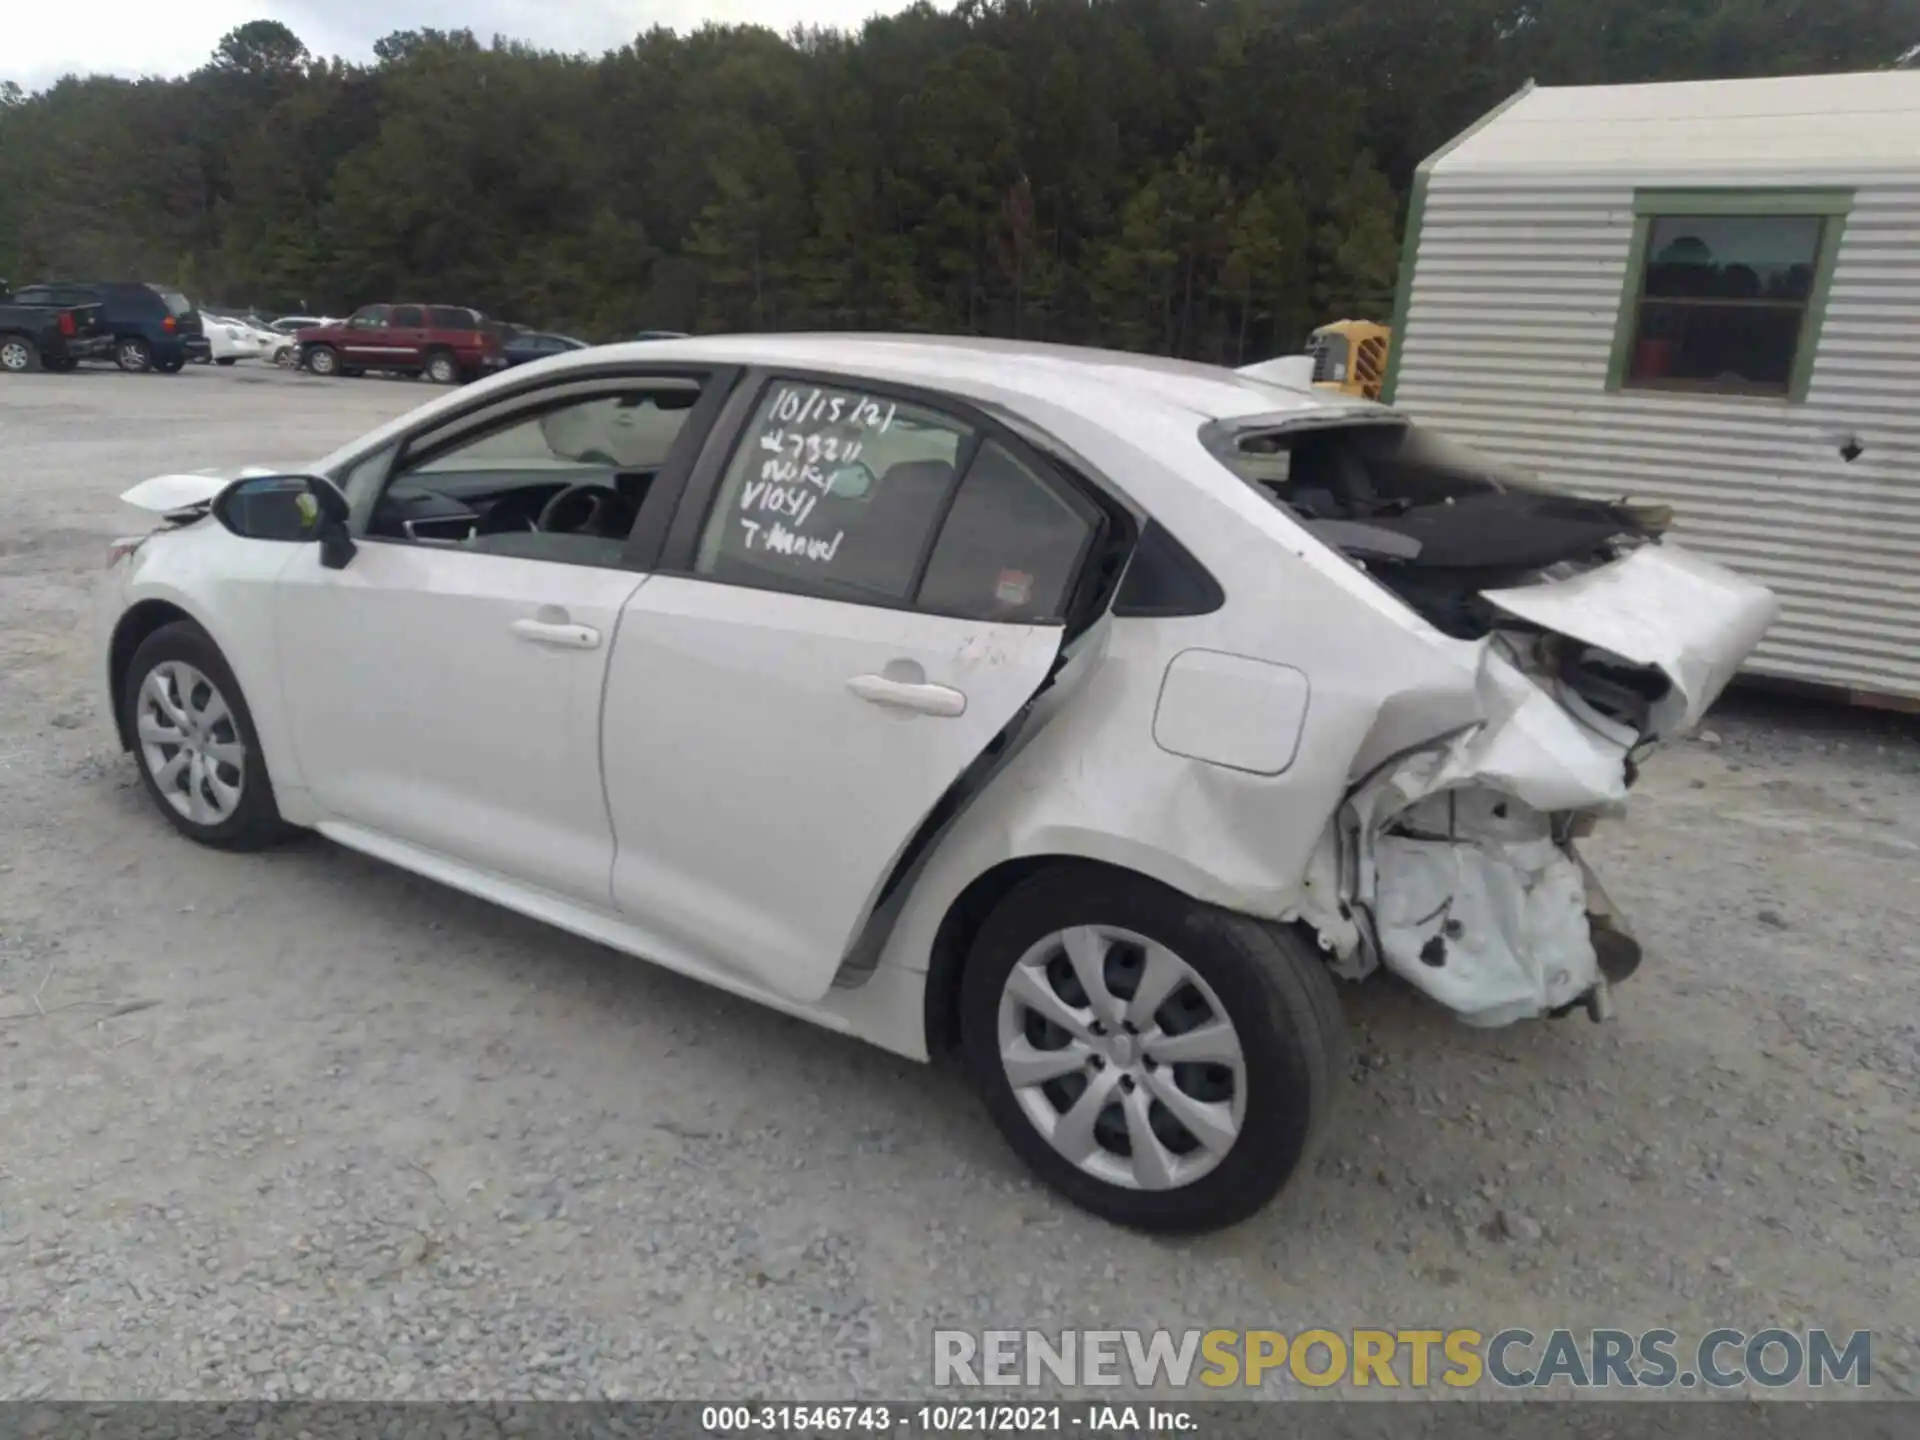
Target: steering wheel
580 509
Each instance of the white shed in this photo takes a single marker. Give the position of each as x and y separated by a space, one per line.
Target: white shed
1705 295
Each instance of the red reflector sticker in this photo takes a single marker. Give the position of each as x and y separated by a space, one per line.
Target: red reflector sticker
1015 587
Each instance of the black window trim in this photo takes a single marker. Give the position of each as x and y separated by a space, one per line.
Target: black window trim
493 411
701 492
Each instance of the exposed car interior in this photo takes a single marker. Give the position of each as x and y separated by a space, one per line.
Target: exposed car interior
565 483
1433 523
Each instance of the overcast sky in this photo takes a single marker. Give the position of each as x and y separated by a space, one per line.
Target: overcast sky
42 40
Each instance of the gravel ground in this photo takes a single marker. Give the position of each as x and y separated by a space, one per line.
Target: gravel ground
300 1125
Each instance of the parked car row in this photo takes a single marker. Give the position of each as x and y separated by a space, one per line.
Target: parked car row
145 326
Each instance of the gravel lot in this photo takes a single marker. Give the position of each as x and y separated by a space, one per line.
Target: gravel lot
301 1125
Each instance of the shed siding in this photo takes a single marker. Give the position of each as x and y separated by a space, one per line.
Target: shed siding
1515 292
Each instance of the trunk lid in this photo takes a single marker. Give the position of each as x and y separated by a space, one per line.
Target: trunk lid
1660 608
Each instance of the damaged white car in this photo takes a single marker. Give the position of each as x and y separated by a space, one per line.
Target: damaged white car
1086 712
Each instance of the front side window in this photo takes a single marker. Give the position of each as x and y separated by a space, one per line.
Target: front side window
371 317
564 482
851 495
1726 293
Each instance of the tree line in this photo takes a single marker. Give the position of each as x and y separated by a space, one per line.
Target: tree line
1199 177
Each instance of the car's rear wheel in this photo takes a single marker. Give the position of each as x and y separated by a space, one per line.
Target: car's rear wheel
442 368
1162 1063
170 367
194 739
132 354
18 355
323 360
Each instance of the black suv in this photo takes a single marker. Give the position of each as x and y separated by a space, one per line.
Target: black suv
154 327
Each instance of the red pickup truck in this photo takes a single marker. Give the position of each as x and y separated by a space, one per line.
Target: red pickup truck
446 343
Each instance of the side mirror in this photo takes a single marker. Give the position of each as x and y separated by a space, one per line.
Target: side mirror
296 509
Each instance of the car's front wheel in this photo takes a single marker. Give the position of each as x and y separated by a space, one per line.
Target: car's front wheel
323 360
1161 1063
195 742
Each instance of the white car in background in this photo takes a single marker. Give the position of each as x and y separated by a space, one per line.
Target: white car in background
284 348
1090 712
232 339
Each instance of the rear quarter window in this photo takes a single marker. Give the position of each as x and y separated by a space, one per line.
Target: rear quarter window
451 317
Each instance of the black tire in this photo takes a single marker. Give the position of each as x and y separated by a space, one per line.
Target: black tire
321 360
442 368
169 367
1277 993
18 355
228 360
255 822
132 354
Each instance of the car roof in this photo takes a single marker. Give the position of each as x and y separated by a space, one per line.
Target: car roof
1099 383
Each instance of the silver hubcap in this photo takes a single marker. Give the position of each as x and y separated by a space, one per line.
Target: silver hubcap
1122 1057
442 371
321 363
191 743
13 355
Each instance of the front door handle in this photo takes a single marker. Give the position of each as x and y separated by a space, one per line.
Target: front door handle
923 699
559 636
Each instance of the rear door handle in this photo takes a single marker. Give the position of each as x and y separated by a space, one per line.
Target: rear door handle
560 637
923 699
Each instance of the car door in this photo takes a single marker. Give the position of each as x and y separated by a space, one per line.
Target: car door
847 631
446 693
365 340
406 336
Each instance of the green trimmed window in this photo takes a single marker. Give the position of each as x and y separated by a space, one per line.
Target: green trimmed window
1726 290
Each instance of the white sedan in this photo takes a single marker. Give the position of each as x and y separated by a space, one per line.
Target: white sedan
1089 713
232 339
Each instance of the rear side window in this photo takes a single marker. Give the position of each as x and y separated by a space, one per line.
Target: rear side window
864 497
835 493
1011 544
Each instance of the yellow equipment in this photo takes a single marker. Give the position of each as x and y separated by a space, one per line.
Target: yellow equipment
1351 356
